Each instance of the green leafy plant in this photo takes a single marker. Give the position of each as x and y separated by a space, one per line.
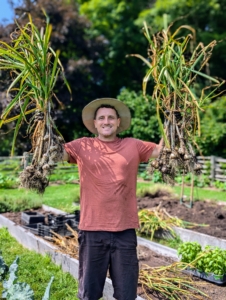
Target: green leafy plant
220 185
23 202
7 182
47 291
223 166
35 68
4 206
15 290
188 251
156 177
175 65
174 242
199 181
145 175
210 260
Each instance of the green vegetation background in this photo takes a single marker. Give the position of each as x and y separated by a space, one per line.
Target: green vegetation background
96 37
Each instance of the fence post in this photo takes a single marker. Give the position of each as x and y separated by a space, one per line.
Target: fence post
25 159
213 166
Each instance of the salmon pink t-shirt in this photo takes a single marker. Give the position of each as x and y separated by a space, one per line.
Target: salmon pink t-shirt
108 176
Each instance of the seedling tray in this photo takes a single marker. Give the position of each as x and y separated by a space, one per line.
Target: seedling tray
46 231
29 217
218 279
32 228
35 223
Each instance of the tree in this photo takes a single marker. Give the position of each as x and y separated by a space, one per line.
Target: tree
213 129
144 124
116 21
207 17
79 55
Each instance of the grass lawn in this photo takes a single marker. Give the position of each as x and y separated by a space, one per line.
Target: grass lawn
199 193
36 270
60 196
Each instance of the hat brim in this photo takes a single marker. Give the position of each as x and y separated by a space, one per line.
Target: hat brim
89 110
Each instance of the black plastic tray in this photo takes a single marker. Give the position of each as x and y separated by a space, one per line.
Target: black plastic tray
35 222
218 279
42 230
29 217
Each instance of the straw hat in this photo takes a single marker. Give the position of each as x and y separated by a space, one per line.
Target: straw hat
89 110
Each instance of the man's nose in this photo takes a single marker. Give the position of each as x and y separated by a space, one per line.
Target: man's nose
106 120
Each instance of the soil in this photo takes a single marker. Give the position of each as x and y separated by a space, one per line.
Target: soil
210 213
202 212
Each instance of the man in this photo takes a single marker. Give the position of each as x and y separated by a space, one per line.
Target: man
108 168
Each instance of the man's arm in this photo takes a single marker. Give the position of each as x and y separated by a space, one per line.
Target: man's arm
157 149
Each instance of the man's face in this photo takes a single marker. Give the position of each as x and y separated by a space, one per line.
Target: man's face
106 123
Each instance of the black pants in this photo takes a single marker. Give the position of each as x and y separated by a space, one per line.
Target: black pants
102 250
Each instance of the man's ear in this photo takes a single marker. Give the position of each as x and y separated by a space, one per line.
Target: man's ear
94 122
119 121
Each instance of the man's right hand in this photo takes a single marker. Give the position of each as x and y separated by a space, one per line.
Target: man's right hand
65 156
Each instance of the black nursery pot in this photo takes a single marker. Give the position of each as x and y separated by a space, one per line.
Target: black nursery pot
29 217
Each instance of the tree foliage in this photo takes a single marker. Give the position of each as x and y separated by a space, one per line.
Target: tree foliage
95 38
79 55
213 129
116 21
207 17
144 124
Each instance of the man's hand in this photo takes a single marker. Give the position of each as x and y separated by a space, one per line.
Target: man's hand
65 156
157 149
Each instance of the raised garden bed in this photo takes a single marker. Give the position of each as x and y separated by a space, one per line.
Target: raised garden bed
38 244
149 253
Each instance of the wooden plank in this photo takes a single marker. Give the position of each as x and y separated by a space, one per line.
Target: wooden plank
10 157
219 159
220 178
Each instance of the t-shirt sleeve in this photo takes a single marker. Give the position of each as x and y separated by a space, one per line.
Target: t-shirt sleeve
73 148
145 150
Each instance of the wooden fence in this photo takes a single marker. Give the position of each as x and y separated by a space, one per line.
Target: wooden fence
213 167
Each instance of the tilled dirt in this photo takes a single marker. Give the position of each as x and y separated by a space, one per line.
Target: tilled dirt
150 258
202 212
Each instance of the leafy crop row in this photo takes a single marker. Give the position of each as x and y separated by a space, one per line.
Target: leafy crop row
209 260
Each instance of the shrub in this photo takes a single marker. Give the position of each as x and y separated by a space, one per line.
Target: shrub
7 182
